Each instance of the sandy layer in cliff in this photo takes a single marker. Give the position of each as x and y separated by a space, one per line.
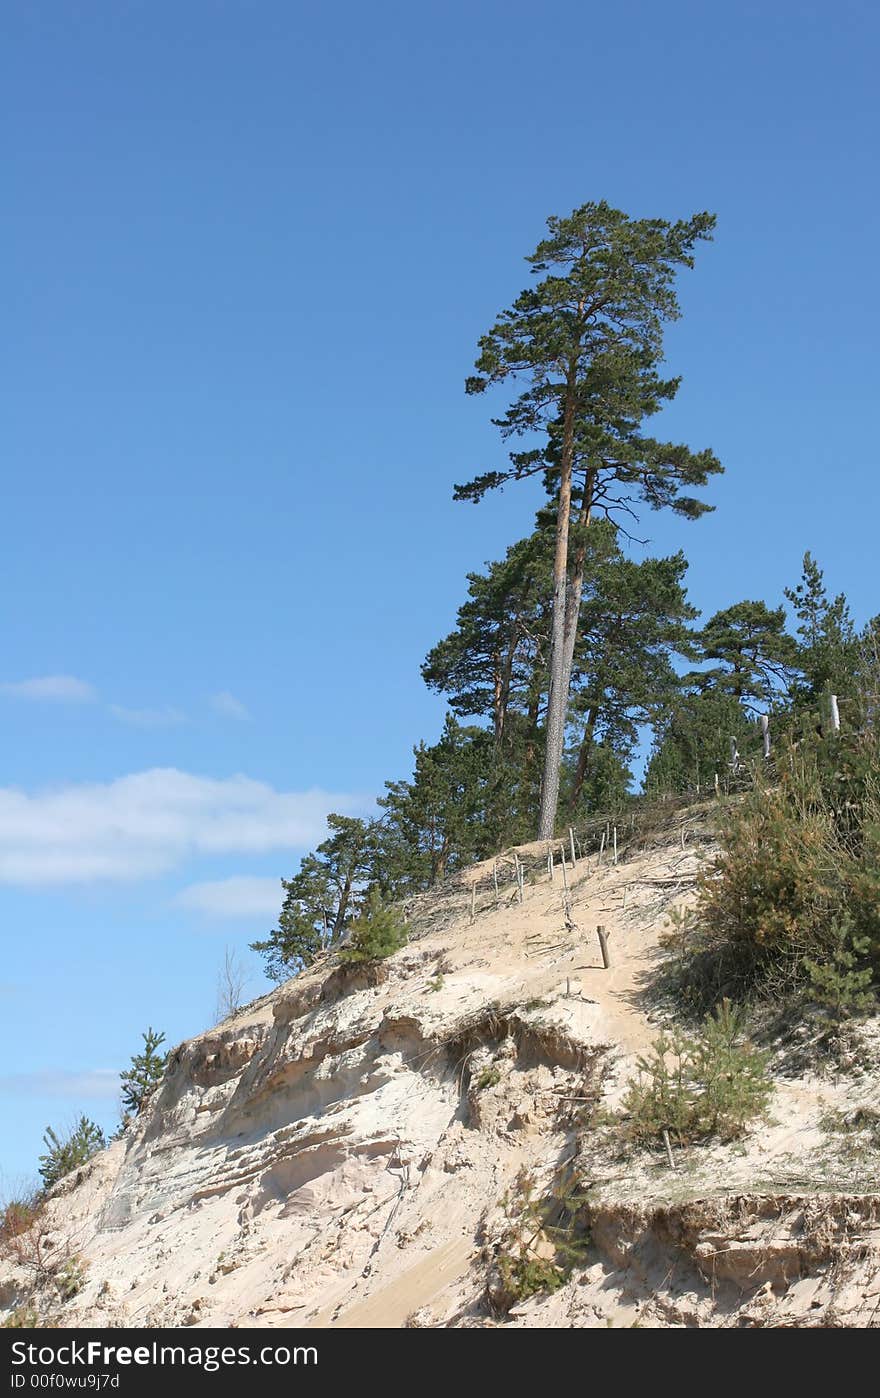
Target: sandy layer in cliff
352 1149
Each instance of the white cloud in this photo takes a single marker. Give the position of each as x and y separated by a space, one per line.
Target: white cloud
63 689
150 822
238 897
166 717
63 1082
226 704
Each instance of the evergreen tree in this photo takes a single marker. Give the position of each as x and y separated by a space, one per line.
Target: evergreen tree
376 932
756 656
587 337
828 652
322 898
77 1149
494 660
144 1074
448 813
634 617
692 743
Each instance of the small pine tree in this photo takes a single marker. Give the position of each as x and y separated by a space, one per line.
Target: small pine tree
75 1150
697 1087
377 933
145 1072
842 983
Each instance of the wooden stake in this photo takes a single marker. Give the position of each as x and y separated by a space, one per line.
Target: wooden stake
564 872
668 1144
765 734
834 713
495 880
615 844
571 838
550 862
601 846
519 876
603 947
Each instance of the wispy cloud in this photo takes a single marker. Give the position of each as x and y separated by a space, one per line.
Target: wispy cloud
238 897
59 689
89 1084
166 717
149 822
228 706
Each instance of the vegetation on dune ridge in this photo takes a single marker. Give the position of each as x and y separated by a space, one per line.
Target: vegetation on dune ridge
568 649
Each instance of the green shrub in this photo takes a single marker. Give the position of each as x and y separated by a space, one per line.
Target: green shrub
523 1275
74 1151
696 1087
837 983
378 932
70 1278
18 1216
546 1241
792 902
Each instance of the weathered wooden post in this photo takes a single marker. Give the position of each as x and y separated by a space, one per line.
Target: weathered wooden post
495 880
603 947
601 847
564 870
571 838
550 862
519 875
765 734
834 713
668 1144
615 844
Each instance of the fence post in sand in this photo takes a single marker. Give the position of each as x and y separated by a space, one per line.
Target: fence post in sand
519 877
668 1144
550 862
564 871
571 838
601 847
615 844
495 880
603 947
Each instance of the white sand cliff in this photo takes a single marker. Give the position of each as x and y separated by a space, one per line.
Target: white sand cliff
354 1150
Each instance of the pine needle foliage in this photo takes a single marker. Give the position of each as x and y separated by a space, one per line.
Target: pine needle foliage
62 1155
378 932
698 1086
145 1072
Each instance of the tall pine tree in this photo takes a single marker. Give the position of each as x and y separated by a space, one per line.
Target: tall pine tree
587 338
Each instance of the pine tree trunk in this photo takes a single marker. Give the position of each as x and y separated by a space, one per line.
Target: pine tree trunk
557 702
583 757
567 594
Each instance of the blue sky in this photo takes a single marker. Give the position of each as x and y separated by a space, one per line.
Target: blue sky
247 252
